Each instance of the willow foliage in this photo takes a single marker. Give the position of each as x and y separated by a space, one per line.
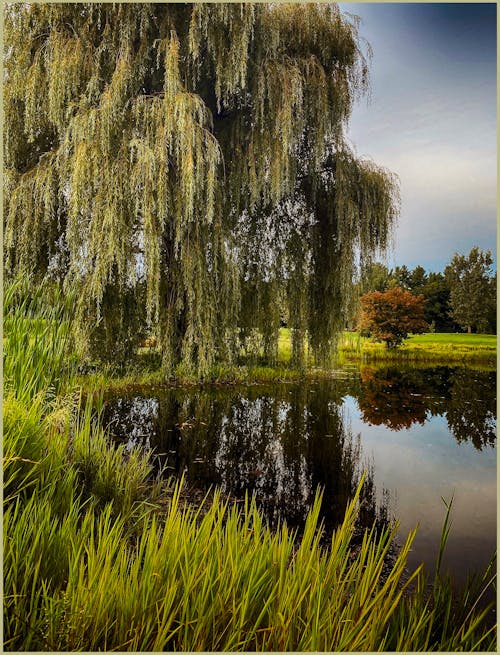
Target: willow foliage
148 147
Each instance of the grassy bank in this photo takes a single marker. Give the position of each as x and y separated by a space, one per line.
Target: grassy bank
144 377
95 559
420 350
442 348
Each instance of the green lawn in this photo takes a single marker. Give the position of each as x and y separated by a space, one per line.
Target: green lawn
443 347
462 339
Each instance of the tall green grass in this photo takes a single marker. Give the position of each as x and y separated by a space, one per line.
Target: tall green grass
223 581
91 563
59 469
37 341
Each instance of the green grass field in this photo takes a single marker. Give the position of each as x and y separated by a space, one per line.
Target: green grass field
463 339
436 347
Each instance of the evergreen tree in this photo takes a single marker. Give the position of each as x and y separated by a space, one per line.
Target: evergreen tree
403 278
418 279
491 317
469 278
148 147
437 306
376 277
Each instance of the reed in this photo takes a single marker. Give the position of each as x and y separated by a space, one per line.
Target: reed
37 344
221 582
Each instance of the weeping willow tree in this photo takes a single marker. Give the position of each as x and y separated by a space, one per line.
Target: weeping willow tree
149 150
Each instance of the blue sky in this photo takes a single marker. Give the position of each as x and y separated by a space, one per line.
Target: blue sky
432 120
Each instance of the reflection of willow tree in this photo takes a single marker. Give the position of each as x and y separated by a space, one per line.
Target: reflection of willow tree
132 420
334 454
187 426
471 410
280 446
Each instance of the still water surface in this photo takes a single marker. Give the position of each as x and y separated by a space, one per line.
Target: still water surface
422 434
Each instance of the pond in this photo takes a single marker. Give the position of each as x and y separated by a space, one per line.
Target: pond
422 434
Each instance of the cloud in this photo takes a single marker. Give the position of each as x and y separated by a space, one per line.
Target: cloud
432 121
446 176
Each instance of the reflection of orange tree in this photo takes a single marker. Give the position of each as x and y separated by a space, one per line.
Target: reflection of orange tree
391 397
398 398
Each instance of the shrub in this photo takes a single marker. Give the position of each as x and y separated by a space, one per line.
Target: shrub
392 315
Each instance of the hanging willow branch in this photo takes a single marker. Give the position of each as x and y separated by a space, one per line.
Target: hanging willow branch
138 136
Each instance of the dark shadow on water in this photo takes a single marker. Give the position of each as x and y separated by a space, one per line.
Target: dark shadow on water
280 444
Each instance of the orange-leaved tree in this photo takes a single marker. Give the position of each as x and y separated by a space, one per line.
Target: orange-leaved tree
392 315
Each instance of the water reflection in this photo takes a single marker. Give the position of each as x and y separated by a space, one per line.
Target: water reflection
280 444
399 398
428 433
392 398
471 410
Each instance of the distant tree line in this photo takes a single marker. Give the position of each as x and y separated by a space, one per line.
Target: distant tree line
463 298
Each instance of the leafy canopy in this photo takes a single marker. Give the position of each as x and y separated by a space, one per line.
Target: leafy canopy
472 288
376 276
149 149
392 315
